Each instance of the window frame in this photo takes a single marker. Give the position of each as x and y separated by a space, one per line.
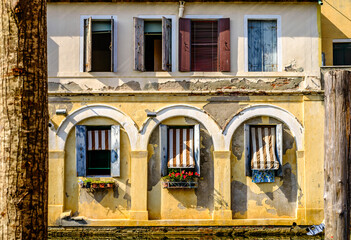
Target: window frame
279 39
279 147
339 40
81 39
173 41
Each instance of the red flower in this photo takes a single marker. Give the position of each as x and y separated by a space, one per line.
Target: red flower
184 177
183 172
196 174
177 174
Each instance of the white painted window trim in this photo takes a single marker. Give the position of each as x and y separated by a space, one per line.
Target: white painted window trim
173 19
279 37
346 40
81 39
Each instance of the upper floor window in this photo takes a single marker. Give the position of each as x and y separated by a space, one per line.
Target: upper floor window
99 45
204 45
153 44
342 52
263 43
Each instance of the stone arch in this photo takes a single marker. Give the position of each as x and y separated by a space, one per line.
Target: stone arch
182 111
89 111
265 110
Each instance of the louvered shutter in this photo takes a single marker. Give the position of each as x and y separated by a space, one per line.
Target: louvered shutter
269 41
139 51
163 149
88 45
112 45
166 44
81 140
115 151
224 44
184 44
197 144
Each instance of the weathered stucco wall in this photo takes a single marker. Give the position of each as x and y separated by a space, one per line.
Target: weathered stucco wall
103 203
296 197
264 200
299 37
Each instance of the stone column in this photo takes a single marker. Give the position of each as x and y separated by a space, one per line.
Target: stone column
56 185
222 190
139 185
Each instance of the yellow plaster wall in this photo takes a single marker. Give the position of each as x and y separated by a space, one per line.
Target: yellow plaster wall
336 22
103 203
163 204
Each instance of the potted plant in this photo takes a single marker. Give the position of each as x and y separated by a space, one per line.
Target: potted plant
101 184
87 182
95 184
178 178
109 184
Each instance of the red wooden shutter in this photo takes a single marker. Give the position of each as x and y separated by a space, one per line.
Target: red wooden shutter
184 44
224 45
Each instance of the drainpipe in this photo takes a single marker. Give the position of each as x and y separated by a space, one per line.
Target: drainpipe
181 8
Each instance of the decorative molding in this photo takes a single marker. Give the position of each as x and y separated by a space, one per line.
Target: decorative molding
182 111
265 110
58 143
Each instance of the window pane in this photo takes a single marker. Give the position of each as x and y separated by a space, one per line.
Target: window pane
101 46
262 45
342 53
204 38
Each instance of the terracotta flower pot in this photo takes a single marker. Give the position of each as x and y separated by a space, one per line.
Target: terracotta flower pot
109 185
95 185
102 185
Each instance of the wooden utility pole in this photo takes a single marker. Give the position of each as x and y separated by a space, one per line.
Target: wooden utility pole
337 154
23 120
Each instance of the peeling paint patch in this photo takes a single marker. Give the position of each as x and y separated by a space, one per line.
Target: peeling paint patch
132 85
292 67
154 168
222 112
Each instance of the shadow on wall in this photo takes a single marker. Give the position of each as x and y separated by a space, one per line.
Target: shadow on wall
204 193
279 198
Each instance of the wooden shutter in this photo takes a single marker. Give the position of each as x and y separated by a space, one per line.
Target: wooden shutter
248 171
166 44
112 45
197 144
81 139
163 149
269 41
254 46
139 51
184 44
279 147
115 151
88 45
224 45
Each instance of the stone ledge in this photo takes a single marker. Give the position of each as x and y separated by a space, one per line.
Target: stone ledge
237 231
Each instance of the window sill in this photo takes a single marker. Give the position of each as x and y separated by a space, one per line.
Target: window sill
179 185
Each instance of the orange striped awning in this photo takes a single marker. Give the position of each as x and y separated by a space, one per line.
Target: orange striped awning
262 145
181 148
99 140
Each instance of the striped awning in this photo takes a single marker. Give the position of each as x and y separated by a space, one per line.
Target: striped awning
262 145
99 140
181 148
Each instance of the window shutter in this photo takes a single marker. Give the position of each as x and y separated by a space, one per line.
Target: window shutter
163 149
184 44
112 47
279 147
224 44
139 50
88 44
269 41
247 150
197 144
255 49
166 44
115 151
81 139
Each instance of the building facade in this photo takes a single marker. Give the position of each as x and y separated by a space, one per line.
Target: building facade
230 93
